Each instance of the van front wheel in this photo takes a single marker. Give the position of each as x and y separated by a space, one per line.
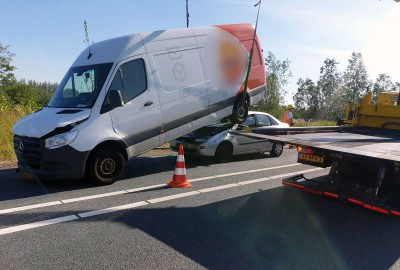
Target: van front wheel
106 166
240 110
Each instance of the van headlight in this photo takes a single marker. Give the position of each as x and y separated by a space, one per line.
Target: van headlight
61 139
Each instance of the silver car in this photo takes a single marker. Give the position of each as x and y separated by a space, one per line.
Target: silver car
216 140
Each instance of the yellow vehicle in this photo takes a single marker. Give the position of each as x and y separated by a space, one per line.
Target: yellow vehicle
385 113
363 154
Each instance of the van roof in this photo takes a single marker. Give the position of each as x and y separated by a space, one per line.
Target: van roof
116 49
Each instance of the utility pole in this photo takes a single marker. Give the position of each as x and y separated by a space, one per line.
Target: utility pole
187 14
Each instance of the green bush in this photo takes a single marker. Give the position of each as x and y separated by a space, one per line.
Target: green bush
5 102
22 94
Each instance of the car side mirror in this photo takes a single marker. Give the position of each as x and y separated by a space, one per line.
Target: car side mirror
115 100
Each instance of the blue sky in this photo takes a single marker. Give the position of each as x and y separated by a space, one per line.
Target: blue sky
47 35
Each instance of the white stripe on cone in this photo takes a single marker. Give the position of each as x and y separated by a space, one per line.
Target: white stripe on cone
180 171
181 158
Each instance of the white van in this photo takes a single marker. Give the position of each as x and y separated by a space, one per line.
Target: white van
124 96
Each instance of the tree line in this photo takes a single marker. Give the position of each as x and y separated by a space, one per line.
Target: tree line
326 98
13 92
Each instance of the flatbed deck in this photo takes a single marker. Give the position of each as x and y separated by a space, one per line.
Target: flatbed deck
364 163
340 140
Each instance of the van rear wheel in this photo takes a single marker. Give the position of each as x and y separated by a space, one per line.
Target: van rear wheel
240 110
106 166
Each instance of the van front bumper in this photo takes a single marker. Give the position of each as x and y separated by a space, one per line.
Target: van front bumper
36 162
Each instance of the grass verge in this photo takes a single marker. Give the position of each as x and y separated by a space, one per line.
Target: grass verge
323 123
7 120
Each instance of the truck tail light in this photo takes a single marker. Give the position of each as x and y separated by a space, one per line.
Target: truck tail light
301 149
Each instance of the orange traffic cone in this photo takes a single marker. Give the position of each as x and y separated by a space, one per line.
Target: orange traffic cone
179 180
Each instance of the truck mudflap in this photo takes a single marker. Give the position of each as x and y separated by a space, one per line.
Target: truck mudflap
325 189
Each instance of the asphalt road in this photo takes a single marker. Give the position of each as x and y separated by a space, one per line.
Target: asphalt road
237 215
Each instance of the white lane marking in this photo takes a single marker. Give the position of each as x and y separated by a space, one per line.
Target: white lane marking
141 203
243 172
145 188
294 173
254 181
205 190
111 209
37 224
34 206
94 196
276 177
172 197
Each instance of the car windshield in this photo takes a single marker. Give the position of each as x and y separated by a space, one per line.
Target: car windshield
224 122
80 86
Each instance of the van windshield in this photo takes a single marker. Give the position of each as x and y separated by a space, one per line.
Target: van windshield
80 86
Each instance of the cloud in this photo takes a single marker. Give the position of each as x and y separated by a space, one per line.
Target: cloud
323 51
382 49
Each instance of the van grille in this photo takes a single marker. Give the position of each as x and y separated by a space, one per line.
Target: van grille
28 150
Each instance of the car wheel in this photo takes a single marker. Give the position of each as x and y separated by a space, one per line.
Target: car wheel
106 166
224 152
240 110
277 150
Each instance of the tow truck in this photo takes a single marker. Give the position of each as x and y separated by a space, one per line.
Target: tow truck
362 151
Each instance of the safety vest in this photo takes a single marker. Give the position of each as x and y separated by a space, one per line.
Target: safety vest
284 117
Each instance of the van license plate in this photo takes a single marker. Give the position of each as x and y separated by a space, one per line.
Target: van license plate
312 158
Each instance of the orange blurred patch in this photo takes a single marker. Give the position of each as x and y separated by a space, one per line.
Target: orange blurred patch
232 62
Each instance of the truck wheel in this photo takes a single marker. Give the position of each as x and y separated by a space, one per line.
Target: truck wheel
277 150
240 110
106 166
224 152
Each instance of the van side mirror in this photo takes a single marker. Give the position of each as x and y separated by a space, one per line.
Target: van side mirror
114 100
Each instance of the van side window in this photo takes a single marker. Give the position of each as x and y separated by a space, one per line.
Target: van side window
130 79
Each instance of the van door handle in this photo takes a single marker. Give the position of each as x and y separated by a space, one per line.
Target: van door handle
148 103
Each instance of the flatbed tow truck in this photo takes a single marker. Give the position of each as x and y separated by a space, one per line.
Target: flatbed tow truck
363 153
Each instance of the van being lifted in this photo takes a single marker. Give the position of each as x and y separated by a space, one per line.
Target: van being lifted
127 95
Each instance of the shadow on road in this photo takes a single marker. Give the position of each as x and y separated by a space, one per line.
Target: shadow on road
275 229
280 228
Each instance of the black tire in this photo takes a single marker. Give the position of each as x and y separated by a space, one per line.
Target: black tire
224 152
106 166
277 150
240 110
